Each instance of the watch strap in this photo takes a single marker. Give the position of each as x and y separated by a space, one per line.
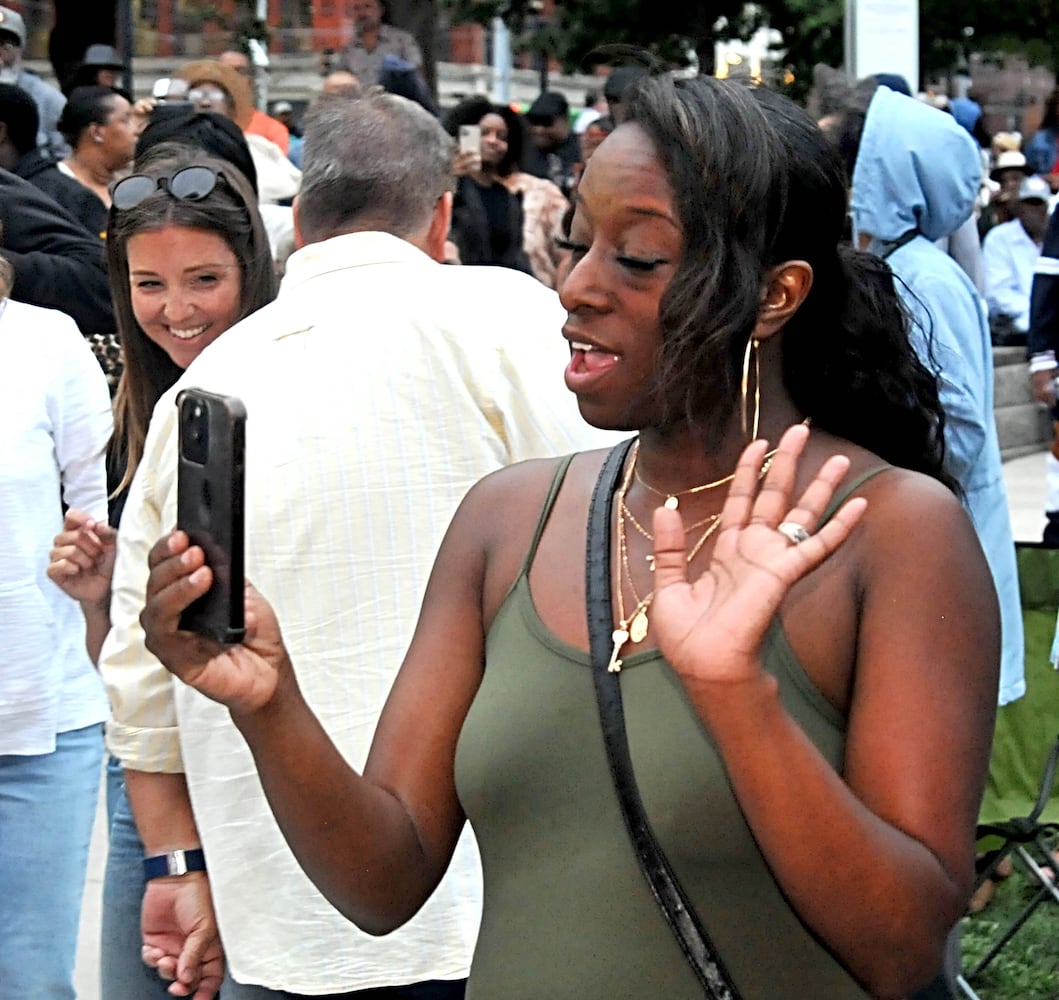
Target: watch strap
174 863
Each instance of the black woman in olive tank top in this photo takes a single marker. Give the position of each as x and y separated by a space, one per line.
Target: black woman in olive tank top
804 630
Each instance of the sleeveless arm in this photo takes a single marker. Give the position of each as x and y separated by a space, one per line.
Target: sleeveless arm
878 859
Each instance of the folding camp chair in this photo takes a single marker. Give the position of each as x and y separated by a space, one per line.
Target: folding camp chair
1030 843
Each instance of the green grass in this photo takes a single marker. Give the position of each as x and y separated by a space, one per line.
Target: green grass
1028 966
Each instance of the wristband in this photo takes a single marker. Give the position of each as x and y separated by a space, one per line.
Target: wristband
174 863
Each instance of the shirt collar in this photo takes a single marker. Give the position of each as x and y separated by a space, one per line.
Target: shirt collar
349 250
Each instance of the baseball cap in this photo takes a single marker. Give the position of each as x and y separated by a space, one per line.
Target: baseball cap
11 23
1034 188
549 105
103 56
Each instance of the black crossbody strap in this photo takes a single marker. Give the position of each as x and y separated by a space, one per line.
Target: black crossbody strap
668 893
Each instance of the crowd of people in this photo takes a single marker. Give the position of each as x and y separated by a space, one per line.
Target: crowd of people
460 337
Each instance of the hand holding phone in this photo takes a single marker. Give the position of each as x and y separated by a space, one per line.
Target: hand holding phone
210 479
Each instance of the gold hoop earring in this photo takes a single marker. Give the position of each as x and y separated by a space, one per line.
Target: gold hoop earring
751 350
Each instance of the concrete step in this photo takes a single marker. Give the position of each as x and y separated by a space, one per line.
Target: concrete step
1023 424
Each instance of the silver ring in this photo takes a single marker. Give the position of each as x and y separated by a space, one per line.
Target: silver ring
794 533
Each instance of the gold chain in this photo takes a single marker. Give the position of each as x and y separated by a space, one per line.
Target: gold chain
635 626
672 500
643 531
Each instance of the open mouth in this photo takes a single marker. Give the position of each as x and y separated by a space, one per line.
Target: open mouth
587 358
190 333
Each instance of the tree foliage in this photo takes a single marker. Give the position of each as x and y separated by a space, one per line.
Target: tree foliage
811 30
672 32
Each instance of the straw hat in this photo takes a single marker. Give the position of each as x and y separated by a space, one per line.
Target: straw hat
1010 159
210 71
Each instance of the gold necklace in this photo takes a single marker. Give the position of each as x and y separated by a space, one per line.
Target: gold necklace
634 627
672 500
643 531
637 623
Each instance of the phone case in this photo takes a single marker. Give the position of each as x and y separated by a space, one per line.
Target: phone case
210 502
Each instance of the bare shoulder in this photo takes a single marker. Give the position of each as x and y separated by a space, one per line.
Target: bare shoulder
917 547
915 532
910 508
904 506
502 511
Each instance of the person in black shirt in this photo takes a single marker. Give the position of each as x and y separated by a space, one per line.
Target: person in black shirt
558 149
19 153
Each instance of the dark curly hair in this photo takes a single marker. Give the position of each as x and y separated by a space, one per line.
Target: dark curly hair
756 183
473 110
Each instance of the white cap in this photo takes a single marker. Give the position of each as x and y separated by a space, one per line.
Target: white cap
11 22
1034 188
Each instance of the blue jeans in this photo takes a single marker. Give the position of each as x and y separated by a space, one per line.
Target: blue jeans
47 807
123 976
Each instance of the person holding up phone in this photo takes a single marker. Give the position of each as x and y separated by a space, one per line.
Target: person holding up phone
488 219
188 258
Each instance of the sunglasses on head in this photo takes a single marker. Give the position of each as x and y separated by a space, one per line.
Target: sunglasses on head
187 184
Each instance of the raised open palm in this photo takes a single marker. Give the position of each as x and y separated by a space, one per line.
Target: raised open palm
712 629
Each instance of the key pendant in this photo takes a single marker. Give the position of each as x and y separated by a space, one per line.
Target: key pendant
671 503
638 626
620 636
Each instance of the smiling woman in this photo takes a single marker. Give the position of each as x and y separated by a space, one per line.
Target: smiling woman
186 288
193 259
188 258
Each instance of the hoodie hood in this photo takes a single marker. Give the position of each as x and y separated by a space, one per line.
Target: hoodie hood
917 169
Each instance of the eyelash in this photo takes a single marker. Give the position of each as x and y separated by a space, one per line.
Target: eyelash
632 263
202 279
575 248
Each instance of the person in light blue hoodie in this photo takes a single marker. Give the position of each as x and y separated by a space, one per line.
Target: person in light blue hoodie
915 173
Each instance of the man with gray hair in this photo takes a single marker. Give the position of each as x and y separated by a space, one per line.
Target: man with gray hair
379 387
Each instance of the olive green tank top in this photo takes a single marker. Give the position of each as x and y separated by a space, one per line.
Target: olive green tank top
568 914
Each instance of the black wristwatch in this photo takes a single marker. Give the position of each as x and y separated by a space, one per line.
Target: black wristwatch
174 863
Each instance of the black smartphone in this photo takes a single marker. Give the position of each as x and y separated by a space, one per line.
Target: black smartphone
210 506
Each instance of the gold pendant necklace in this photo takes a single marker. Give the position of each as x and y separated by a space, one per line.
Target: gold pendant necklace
671 501
635 627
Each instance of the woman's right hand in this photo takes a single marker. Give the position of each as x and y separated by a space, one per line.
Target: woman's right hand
467 163
82 558
243 677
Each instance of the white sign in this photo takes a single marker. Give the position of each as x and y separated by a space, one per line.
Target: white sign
882 36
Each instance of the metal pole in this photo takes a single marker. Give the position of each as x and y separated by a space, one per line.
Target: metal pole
259 55
501 62
126 38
